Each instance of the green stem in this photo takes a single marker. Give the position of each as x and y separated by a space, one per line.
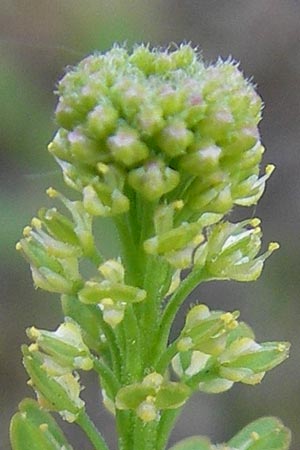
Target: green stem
107 375
125 428
133 345
94 435
166 358
155 275
113 346
172 308
144 435
166 425
130 254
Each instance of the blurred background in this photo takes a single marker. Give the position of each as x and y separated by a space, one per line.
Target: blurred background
38 39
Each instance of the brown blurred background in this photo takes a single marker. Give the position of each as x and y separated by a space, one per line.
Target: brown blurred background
38 39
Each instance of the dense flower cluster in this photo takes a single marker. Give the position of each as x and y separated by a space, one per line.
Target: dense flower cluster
163 127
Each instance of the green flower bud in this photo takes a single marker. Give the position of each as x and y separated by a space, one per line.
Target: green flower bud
202 160
153 180
102 121
175 239
55 392
170 100
102 201
65 345
174 139
126 148
33 429
113 271
149 120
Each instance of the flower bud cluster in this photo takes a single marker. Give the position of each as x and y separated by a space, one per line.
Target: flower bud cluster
164 127
110 292
152 395
218 351
50 362
54 243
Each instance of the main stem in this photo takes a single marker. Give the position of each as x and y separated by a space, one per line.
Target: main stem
91 431
145 333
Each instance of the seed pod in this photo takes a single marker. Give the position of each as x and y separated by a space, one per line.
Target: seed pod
33 429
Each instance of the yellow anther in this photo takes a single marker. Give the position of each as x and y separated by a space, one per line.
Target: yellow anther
255 222
198 239
281 347
33 333
36 223
269 169
18 246
107 302
51 192
273 246
254 436
27 230
44 427
256 230
33 347
227 318
232 325
150 399
178 204
102 168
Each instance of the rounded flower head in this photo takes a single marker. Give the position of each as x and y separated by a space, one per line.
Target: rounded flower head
162 125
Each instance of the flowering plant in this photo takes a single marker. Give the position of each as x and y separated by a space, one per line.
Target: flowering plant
161 147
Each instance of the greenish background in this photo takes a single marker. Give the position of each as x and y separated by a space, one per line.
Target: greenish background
38 39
